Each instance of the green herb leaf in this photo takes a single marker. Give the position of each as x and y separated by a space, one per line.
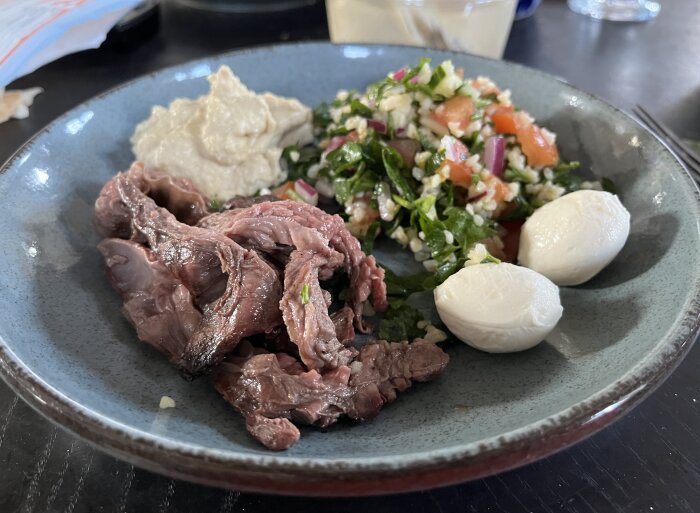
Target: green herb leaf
322 116
424 204
368 240
490 259
362 181
437 77
403 202
424 141
434 236
447 269
519 209
376 90
414 71
434 161
304 294
390 128
566 167
307 156
214 205
448 197
393 166
608 185
564 177
401 324
360 109
465 231
406 285
512 174
345 157
341 130
372 149
475 143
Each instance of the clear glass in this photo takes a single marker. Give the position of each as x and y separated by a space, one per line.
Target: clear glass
475 26
616 10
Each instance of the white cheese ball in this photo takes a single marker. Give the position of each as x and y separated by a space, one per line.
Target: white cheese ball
574 237
499 308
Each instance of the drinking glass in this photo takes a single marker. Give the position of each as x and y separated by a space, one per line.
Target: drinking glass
616 10
475 26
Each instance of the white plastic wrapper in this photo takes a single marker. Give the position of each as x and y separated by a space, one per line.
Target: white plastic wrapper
35 32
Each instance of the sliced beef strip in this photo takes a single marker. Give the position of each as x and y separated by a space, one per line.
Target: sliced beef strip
246 201
237 290
276 434
307 320
266 228
157 304
267 385
342 320
272 235
259 386
384 368
178 195
277 340
366 278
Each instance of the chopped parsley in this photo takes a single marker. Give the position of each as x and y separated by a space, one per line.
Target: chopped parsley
214 205
304 294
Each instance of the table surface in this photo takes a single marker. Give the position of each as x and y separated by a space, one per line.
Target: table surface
647 462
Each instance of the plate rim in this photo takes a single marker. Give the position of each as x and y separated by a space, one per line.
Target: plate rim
270 473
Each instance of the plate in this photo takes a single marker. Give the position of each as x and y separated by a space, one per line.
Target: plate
66 349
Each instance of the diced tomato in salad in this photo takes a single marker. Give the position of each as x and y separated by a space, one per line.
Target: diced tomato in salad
282 192
458 109
538 151
460 172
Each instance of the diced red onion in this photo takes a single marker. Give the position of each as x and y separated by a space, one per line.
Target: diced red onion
306 191
398 75
413 80
407 148
377 125
336 142
400 132
494 154
455 150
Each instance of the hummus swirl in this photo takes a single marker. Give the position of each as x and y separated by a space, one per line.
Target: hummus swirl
228 142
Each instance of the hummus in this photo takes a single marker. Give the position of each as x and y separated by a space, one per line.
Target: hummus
229 142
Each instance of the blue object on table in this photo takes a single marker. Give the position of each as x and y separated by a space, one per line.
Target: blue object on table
526 8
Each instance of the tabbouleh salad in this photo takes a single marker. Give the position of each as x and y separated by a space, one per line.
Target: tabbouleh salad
445 165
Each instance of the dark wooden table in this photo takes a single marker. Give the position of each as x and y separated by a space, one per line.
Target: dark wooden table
647 462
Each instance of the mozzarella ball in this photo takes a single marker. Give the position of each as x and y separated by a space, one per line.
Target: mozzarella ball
574 237
499 308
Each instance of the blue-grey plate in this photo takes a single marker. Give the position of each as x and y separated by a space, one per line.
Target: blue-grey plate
67 350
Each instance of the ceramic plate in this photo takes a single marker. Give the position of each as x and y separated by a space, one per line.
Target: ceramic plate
67 350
